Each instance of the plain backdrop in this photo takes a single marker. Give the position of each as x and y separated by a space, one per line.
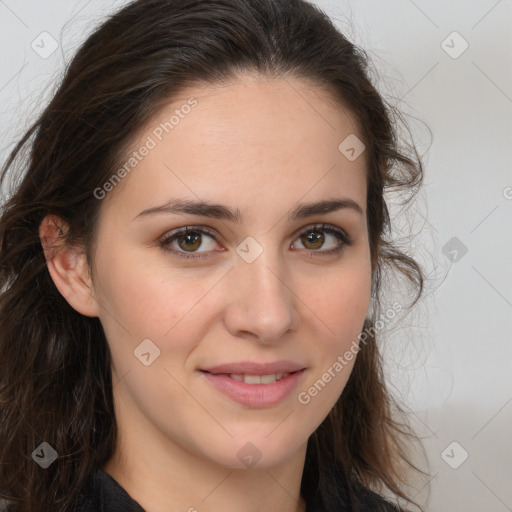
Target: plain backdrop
447 65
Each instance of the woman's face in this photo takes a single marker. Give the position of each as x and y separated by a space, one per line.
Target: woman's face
256 289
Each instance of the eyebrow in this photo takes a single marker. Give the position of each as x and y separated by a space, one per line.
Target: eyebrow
219 211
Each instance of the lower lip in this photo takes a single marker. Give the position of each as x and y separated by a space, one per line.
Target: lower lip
255 395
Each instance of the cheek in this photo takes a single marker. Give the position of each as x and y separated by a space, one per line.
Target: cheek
341 307
343 302
138 301
145 297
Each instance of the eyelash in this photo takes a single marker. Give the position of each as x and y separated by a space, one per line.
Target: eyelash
341 236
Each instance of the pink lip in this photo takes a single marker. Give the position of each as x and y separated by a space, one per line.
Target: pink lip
254 395
251 368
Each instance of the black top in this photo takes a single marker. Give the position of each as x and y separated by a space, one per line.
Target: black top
102 493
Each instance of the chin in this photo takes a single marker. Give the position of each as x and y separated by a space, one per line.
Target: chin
259 451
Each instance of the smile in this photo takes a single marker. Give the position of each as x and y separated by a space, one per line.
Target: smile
258 379
255 391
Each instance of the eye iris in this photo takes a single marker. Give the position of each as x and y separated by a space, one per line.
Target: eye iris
313 238
189 237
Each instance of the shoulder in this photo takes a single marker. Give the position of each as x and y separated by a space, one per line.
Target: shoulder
102 493
338 495
370 501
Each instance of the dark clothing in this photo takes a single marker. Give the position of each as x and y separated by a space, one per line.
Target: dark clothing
104 494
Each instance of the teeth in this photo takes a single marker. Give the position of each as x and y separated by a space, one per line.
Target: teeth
252 379
258 379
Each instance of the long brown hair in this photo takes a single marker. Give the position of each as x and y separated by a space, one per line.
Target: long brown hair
55 378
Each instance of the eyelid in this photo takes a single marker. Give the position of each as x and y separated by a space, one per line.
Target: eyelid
321 226
170 236
213 233
337 232
343 237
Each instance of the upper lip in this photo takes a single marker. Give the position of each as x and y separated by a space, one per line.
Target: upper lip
252 368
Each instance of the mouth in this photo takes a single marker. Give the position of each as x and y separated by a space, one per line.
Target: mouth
255 388
269 378
247 378
249 368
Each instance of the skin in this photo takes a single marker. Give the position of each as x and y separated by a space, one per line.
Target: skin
261 146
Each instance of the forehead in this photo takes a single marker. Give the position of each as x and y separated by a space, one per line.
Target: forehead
263 138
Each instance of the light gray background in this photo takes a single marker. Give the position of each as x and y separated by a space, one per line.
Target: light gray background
451 361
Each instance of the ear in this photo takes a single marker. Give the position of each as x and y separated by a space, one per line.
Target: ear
67 266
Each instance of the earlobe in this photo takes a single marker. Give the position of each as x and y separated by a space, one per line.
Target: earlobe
67 266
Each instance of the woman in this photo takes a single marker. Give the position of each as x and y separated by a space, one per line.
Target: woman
191 267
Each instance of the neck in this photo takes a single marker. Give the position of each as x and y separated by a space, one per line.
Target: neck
163 476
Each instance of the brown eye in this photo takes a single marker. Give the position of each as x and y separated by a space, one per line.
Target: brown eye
314 238
330 240
189 241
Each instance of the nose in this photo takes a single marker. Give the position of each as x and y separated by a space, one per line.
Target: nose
263 306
